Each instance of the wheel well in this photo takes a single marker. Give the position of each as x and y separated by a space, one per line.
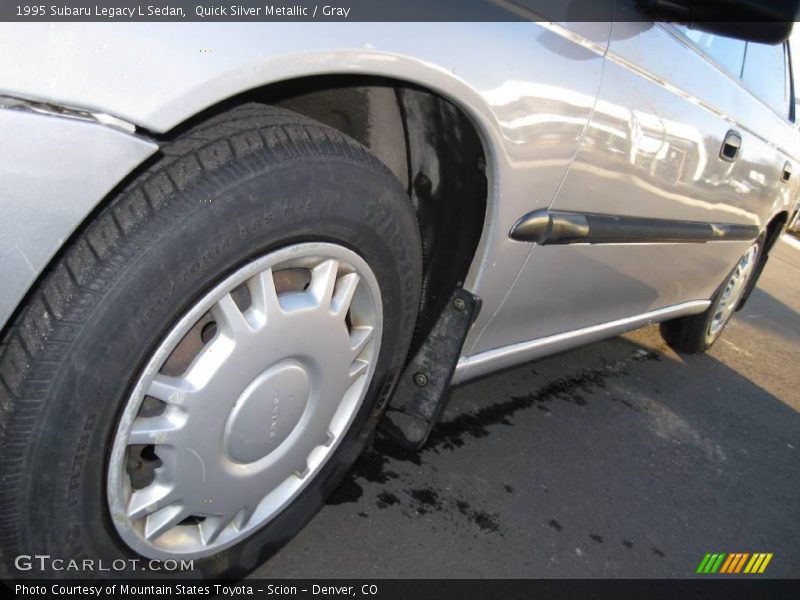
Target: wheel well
426 141
774 228
772 233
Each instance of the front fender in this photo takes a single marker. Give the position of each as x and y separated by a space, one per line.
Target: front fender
53 172
528 88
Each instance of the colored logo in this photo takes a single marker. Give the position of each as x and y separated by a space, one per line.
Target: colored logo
737 562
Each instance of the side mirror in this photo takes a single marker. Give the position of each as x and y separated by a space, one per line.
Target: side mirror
763 21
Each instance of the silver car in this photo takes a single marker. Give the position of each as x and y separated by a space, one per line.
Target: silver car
229 252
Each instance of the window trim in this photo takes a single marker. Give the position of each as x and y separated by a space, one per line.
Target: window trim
675 30
688 42
787 67
790 72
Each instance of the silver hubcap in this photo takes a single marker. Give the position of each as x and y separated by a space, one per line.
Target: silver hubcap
244 400
732 293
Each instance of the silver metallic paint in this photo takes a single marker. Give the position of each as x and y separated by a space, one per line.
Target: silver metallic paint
530 115
558 108
53 171
652 150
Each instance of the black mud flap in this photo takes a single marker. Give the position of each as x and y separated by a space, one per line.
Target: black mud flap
422 390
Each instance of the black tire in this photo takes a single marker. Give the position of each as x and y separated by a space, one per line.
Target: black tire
243 183
690 335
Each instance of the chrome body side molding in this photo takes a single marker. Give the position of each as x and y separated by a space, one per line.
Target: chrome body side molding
470 367
52 109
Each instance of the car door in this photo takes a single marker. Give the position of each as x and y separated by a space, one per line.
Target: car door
767 170
659 173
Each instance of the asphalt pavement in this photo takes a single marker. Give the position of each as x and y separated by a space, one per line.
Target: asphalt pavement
618 459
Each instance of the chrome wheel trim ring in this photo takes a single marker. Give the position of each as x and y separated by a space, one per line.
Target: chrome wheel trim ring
732 293
279 384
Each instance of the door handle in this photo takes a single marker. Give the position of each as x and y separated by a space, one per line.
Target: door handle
787 171
730 146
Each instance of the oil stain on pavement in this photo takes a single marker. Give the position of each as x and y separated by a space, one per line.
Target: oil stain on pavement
374 465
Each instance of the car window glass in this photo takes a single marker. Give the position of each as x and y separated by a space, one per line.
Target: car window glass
726 52
765 75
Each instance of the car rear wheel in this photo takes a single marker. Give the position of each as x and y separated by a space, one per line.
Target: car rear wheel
697 333
202 364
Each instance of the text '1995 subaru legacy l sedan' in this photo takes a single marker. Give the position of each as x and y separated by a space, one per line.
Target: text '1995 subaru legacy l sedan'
229 251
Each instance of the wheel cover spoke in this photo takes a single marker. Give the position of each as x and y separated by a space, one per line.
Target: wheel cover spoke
343 294
158 430
203 457
147 501
169 389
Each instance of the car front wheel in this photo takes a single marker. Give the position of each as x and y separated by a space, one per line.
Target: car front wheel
201 365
